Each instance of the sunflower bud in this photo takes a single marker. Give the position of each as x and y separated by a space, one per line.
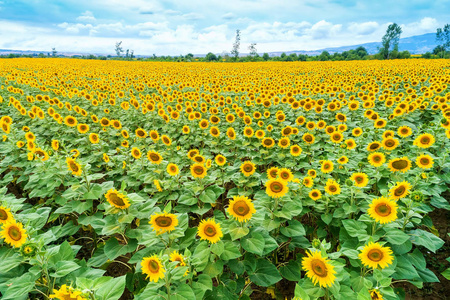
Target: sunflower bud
316 243
349 182
28 249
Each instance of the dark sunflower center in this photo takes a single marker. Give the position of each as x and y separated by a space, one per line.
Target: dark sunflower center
374 146
198 170
267 142
295 150
276 187
399 191
332 188
308 138
390 143
116 199
404 131
319 268
14 233
425 140
210 230
283 142
74 166
315 194
400 164
375 255
284 175
166 140
326 166
163 221
154 136
154 157
140 133
136 153
3 215
424 161
359 179
71 121
153 266
383 209
173 169
377 158
241 208
248 168
273 174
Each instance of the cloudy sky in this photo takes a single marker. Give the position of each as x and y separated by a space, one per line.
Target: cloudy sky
174 27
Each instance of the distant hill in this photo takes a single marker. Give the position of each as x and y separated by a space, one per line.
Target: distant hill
417 44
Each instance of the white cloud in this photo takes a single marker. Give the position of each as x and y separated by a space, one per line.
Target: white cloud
228 16
86 17
425 25
363 28
193 16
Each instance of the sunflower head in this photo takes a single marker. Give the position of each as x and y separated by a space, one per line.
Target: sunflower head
154 157
373 255
241 208
173 169
424 140
360 179
383 210
210 230
14 234
117 199
28 249
198 170
276 188
153 268
400 190
315 194
163 222
136 153
5 215
74 166
332 187
319 269
402 164
424 161
220 160
376 159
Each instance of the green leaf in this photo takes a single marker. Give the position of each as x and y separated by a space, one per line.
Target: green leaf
19 286
187 199
326 218
446 274
230 251
255 244
201 254
183 292
266 274
295 228
208 196
426 239
404 269
203 284
236 231
291 271
396 236
112 289
217 248
356 229
113 249
213 269
65 267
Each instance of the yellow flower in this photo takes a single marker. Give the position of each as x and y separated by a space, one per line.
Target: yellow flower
285 174
163 222
400 190
248 168
93 138
383 210
424 140
210 230
136 153
376 159
295 150
319 269
360 179
272 172
73 166
327 167
373 255
172 169
55 145
14 234
276 188
153 268
315 194
404 131
5 215
332 187
154 157
308 181
157 185
67 293
424 161
241 208
198 170
220 160
117 199
105 157
402 164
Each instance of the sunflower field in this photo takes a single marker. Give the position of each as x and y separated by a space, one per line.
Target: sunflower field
138 180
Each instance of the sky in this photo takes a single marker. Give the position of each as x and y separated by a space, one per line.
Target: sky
179 27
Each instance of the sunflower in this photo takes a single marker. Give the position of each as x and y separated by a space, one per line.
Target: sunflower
284 142
186 129
5 215
383 210
140 133
375 295
20 144
166 140
336 137
105 122
402 164
75 153
424 140
248 132
373 255
70 121
295 150
198 170
327 167
342 160
351 144
175 256
105 158
315 194
14 234
375 145
241 208
319 269
136 153
424 161
357 131
41 154
276 188
157 185
192 153
268 142
83 128
163 222
376 159
231 133
272 173
400 190
248 168
210 230
260 133
154 157
153 268
29 136
389 143
117 199
172 169
67 293
199 159
73 166
312 173
55 145
308 181
125 134
360 179
308 138
220 160
332 187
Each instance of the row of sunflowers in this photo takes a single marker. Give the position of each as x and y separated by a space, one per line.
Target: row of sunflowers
124 180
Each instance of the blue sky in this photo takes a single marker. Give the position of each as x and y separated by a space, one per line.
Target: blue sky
174 27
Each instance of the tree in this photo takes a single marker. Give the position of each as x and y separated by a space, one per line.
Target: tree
253 52
325 55
443 36
189 57
54 52
210 57
119 49
236 45
391 38
266 56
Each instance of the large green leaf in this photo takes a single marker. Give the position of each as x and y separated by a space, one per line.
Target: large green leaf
266 274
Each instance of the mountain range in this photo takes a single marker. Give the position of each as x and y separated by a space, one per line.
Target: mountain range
417 44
